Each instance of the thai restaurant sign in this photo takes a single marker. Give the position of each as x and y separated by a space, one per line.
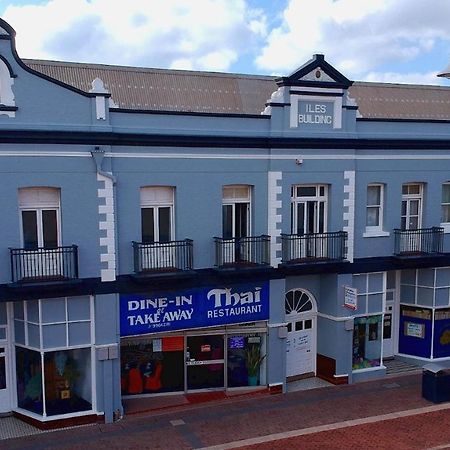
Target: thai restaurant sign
193 308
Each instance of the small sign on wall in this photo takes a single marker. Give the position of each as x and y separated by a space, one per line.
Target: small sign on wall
350 297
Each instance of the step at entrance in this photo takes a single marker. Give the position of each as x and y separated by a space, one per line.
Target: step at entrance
396 366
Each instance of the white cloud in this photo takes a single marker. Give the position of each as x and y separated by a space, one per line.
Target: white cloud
357 36
409 78
200 34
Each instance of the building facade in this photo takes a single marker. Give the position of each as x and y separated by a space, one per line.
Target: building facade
169 231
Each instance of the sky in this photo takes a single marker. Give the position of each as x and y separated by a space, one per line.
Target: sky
394 41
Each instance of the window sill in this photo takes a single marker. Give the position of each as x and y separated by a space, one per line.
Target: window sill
446 227
379 233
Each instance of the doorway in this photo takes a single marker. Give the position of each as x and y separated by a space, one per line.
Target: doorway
205 362
301 344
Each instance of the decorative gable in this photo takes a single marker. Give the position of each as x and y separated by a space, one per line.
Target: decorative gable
316 72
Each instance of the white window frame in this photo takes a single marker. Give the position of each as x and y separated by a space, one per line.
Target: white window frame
158 201
444 225
377 230
317 198
407 197
233 200
29 201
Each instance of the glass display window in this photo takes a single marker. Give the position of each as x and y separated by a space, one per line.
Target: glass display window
367 340
152 365
246 355
53 342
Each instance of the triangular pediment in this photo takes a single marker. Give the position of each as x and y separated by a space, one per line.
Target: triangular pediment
316 72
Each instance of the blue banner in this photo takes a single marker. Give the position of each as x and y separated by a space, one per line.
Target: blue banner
441 343
193 308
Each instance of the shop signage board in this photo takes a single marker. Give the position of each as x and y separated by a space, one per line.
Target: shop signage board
350 297
193 308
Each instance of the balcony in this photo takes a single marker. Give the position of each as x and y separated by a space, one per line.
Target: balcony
163 256
242 252
44 264
422 241
314 247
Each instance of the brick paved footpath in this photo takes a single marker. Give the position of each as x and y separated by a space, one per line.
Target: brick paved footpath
234 420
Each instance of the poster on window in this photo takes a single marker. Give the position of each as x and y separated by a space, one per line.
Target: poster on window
415 331
441 342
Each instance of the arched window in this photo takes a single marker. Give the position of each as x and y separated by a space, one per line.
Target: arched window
298 301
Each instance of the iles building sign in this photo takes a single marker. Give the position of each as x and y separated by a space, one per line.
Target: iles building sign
315 113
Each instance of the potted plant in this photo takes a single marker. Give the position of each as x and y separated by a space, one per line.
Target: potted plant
253 360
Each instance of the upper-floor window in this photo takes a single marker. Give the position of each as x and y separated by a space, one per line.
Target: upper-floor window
157 213
236 211
445 210
374 207
411 213
39 216
309 209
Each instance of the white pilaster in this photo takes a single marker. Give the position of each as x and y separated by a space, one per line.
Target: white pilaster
349 211
274 216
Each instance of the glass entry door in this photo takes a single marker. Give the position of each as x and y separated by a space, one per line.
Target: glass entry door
205 362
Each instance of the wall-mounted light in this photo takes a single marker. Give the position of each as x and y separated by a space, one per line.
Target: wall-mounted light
298 161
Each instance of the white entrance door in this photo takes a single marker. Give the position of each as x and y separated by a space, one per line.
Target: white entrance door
301 315
388 330
5 390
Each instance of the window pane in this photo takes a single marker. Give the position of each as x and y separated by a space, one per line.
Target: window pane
54 336
414 189
414 207
53 310
2 313
300 219
79 333
19 331
227 221
33 311
373 217
2 334
50 228
164 224
29 230
445 213
446 193
241 219
147 225
373 195
403 208
29 380
299 325
311 219
306 191
18 310
321 217
68 381
34 339
78 308
308 324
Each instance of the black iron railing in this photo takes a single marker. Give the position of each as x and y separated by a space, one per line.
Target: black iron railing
420 241
243 251
44 264
163 256
316 246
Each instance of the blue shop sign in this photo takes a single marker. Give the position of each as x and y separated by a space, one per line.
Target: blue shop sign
193 308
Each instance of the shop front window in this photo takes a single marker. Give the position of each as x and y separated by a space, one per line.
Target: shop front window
29 380
53 377
245 358
67 381
367 337
152 365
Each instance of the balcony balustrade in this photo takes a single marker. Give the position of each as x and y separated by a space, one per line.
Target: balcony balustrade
241 252
163 256
418 242
298 248
44 264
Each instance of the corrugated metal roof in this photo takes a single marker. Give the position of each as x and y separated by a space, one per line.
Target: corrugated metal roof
180 90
